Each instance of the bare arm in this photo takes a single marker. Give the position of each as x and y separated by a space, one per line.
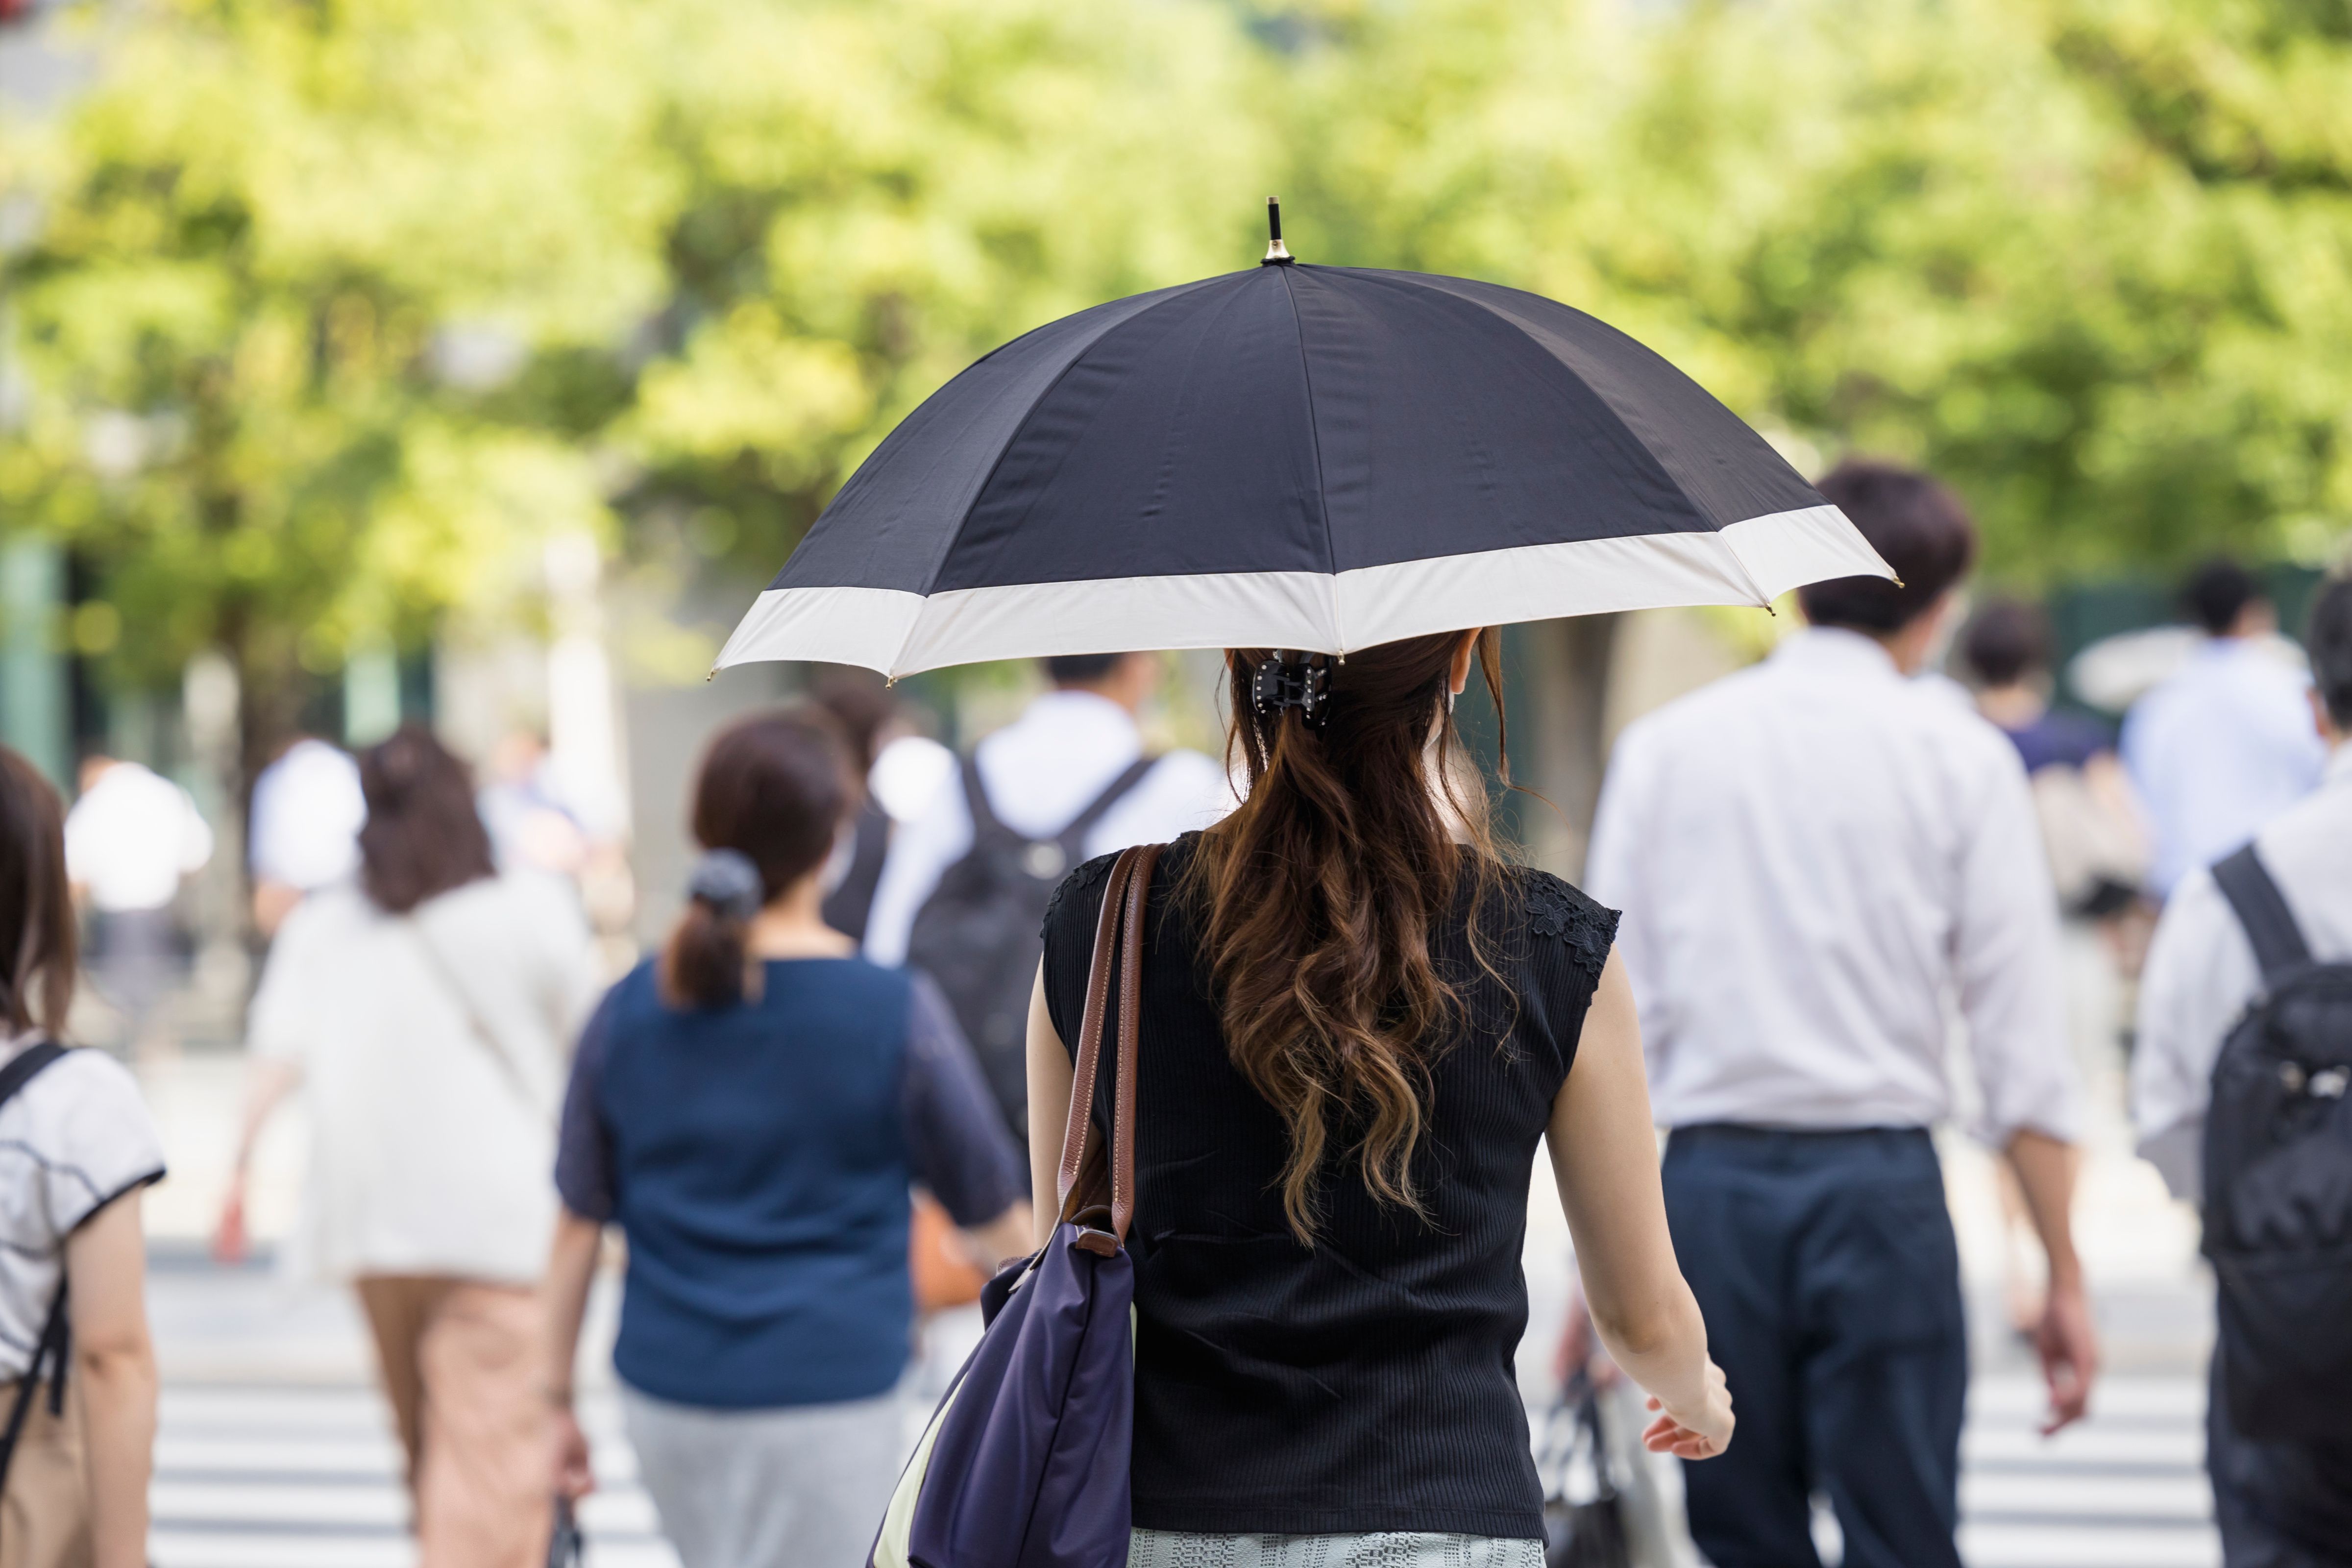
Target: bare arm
1605 1153
1050 1078
106 1268
2064 1339
1009 1234
564 1302
268 1083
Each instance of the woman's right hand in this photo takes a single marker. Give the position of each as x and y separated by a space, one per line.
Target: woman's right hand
1700 1434
575 1477
229 1232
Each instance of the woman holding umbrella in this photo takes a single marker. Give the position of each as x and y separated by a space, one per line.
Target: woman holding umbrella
1333 1155
1357 1019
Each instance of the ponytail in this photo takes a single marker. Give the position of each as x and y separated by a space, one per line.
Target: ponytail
773 792
706 963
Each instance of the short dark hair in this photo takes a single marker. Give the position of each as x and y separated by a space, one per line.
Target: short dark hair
2006 640
37 918
860 704
775 788
423 836
1080 668
1919 527
2218 593
2327 638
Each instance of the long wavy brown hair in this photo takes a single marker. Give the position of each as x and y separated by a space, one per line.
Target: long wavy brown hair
1318 898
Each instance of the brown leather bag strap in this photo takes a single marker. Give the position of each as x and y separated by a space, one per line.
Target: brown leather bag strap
1131 1036
1118 934
1075 1136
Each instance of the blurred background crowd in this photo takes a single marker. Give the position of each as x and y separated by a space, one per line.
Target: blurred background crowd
472 365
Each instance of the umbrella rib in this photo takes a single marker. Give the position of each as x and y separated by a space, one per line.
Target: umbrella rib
1314 435
1714 531
955 532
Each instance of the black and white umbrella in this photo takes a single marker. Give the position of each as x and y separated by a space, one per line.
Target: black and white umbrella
1313 458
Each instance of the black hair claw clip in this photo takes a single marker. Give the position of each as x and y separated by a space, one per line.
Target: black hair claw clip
1277 683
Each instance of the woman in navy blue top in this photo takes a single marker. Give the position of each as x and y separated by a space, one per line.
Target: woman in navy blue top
750 1108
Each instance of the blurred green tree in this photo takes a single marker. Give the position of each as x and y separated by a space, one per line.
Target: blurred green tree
276 251
2092 259
332 316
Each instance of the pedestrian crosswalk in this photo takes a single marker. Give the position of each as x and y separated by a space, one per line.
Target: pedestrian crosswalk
2125 1489
261 1475
291 1476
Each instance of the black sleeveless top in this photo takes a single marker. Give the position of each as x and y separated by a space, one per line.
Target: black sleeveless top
1367 1384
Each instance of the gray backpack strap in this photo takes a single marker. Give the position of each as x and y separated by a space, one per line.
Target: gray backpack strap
1073 837
2261 909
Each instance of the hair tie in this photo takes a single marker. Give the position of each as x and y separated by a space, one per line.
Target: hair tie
729 882
1277 684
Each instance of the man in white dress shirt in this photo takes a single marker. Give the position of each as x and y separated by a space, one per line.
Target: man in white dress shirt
131 840
2279 1505
2226 744
1812 856
1073 755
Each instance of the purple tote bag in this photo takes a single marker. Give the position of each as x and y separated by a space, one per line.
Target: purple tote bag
1025 1464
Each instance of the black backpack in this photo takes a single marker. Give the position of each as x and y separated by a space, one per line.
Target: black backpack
2278 1180
977 935
50 1352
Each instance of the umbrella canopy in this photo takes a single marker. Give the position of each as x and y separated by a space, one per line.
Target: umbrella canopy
1311 457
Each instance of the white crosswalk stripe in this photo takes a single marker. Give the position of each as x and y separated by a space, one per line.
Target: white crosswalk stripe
2125 1489
259 1476
254 1474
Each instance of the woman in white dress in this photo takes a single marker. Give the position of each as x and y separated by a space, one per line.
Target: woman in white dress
427 1009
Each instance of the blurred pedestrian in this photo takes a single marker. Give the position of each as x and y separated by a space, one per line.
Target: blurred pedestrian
131 840
76 1367
2223 746
1812 854
532 826
2091 829
2279 1503
307 812
1357 1028
964 884
425 1008
875 728
750 1108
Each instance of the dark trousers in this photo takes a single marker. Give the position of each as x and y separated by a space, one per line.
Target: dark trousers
1826 1265
2278 1505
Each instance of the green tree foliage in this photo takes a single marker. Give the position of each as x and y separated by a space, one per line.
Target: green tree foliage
259 240
2090 259
331 314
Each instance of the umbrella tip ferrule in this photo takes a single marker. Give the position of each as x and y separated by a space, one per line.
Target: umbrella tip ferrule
1276 254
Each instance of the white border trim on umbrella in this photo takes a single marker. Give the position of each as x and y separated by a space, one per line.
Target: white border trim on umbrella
900 633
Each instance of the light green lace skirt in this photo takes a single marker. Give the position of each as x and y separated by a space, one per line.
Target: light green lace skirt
1386 1549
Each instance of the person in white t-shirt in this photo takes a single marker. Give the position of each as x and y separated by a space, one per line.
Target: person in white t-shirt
428 1009
131 840
77 1365
307 812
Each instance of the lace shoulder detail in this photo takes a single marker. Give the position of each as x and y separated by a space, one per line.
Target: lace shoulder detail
1084 876
1560 912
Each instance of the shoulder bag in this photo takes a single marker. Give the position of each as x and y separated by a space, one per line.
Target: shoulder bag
1024 1465
476 1025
